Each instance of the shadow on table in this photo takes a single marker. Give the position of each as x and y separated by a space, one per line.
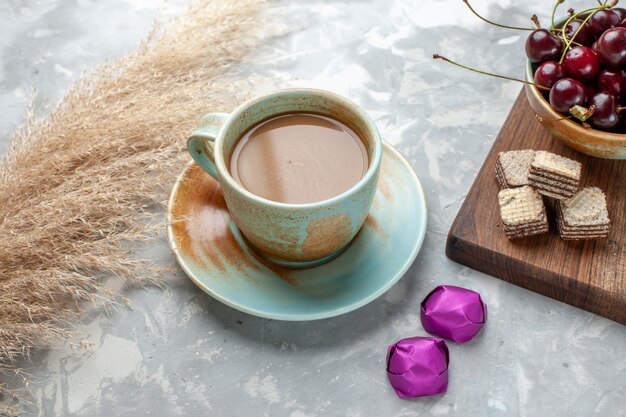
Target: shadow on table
331 332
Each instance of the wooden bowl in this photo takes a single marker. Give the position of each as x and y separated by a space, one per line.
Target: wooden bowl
588 141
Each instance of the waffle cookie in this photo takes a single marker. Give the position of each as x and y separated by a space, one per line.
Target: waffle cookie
522 212
554 176
512 168
584 216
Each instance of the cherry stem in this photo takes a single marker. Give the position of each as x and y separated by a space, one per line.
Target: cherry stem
443 58
535 20
568 43
490 22
582 113
619 109
505 26
554 11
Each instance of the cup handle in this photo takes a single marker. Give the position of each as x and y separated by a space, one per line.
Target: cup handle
201 143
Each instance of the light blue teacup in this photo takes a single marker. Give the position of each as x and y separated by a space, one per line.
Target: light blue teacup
293 235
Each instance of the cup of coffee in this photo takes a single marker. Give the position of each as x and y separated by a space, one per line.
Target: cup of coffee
298 169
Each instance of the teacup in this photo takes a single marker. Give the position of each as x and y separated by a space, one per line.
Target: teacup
293 235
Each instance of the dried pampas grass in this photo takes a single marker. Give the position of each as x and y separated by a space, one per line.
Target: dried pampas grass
76 187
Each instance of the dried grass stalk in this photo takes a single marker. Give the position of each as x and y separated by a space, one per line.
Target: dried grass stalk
76 187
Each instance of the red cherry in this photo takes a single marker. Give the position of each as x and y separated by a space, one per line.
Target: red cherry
584 35
603 20
621 12
605 115
581 63
612 47
612 82
541 45
566 93
548 73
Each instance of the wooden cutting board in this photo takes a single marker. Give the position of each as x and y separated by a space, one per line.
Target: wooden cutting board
587 274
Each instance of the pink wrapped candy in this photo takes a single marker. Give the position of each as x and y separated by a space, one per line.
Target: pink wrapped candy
418 366
453 313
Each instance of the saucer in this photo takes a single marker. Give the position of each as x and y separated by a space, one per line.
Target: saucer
212 252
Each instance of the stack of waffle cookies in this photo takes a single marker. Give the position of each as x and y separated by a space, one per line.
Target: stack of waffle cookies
526 175
583 216
553 175
523 213
513 168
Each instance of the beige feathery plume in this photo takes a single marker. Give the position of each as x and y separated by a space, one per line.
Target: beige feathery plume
78 186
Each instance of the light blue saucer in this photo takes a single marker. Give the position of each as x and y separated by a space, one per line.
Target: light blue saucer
211 251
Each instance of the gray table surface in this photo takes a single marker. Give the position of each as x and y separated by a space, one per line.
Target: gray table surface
179 352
